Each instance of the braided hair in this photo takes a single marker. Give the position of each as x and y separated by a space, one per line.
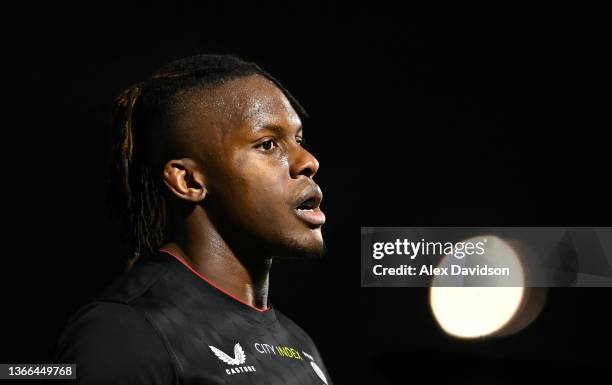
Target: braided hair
140 120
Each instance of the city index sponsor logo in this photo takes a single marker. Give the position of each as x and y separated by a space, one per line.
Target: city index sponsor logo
278 350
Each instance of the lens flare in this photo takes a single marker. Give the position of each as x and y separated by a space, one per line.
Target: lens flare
470 312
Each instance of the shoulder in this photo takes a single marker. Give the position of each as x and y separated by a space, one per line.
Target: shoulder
135 282
112 342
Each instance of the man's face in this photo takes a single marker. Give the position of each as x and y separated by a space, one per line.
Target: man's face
257 173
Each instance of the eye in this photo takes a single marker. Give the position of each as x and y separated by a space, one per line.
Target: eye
300 140
268 144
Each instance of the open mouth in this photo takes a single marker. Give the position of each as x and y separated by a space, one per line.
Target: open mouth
308 210
308 204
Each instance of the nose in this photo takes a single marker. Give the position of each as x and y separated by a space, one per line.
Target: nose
303 163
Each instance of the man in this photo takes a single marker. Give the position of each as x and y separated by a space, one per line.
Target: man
213 183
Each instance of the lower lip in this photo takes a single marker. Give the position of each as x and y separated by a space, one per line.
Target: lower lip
314 216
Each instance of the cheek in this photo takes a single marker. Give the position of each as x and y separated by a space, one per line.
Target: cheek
257 193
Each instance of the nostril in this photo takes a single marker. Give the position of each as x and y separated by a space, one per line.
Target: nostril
307 172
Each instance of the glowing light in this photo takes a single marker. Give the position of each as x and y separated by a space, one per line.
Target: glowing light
474 311
470 312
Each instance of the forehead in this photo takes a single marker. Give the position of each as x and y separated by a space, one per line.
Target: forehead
248 102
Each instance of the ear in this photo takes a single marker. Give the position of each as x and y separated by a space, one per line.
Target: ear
184 178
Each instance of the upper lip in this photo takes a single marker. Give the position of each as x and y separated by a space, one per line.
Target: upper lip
310 192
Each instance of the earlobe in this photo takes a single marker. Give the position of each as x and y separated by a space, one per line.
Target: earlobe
184 179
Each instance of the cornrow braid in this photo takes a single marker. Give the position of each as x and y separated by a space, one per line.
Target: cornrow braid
135 192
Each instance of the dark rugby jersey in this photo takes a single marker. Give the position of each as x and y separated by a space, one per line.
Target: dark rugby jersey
163 323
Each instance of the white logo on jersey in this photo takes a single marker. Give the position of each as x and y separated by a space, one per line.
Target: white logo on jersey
239 356
316 368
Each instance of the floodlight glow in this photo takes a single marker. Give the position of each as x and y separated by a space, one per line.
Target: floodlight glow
470 312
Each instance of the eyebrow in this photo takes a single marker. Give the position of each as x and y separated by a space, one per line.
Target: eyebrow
276 128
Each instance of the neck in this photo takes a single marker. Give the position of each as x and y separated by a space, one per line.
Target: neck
199 244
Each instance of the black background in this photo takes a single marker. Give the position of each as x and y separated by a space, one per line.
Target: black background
457 114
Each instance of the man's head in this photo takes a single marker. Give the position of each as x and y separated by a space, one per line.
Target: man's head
220 135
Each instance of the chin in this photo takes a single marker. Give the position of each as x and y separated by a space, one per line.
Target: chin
309 246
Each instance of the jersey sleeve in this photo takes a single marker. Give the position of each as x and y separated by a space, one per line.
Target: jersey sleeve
113 343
